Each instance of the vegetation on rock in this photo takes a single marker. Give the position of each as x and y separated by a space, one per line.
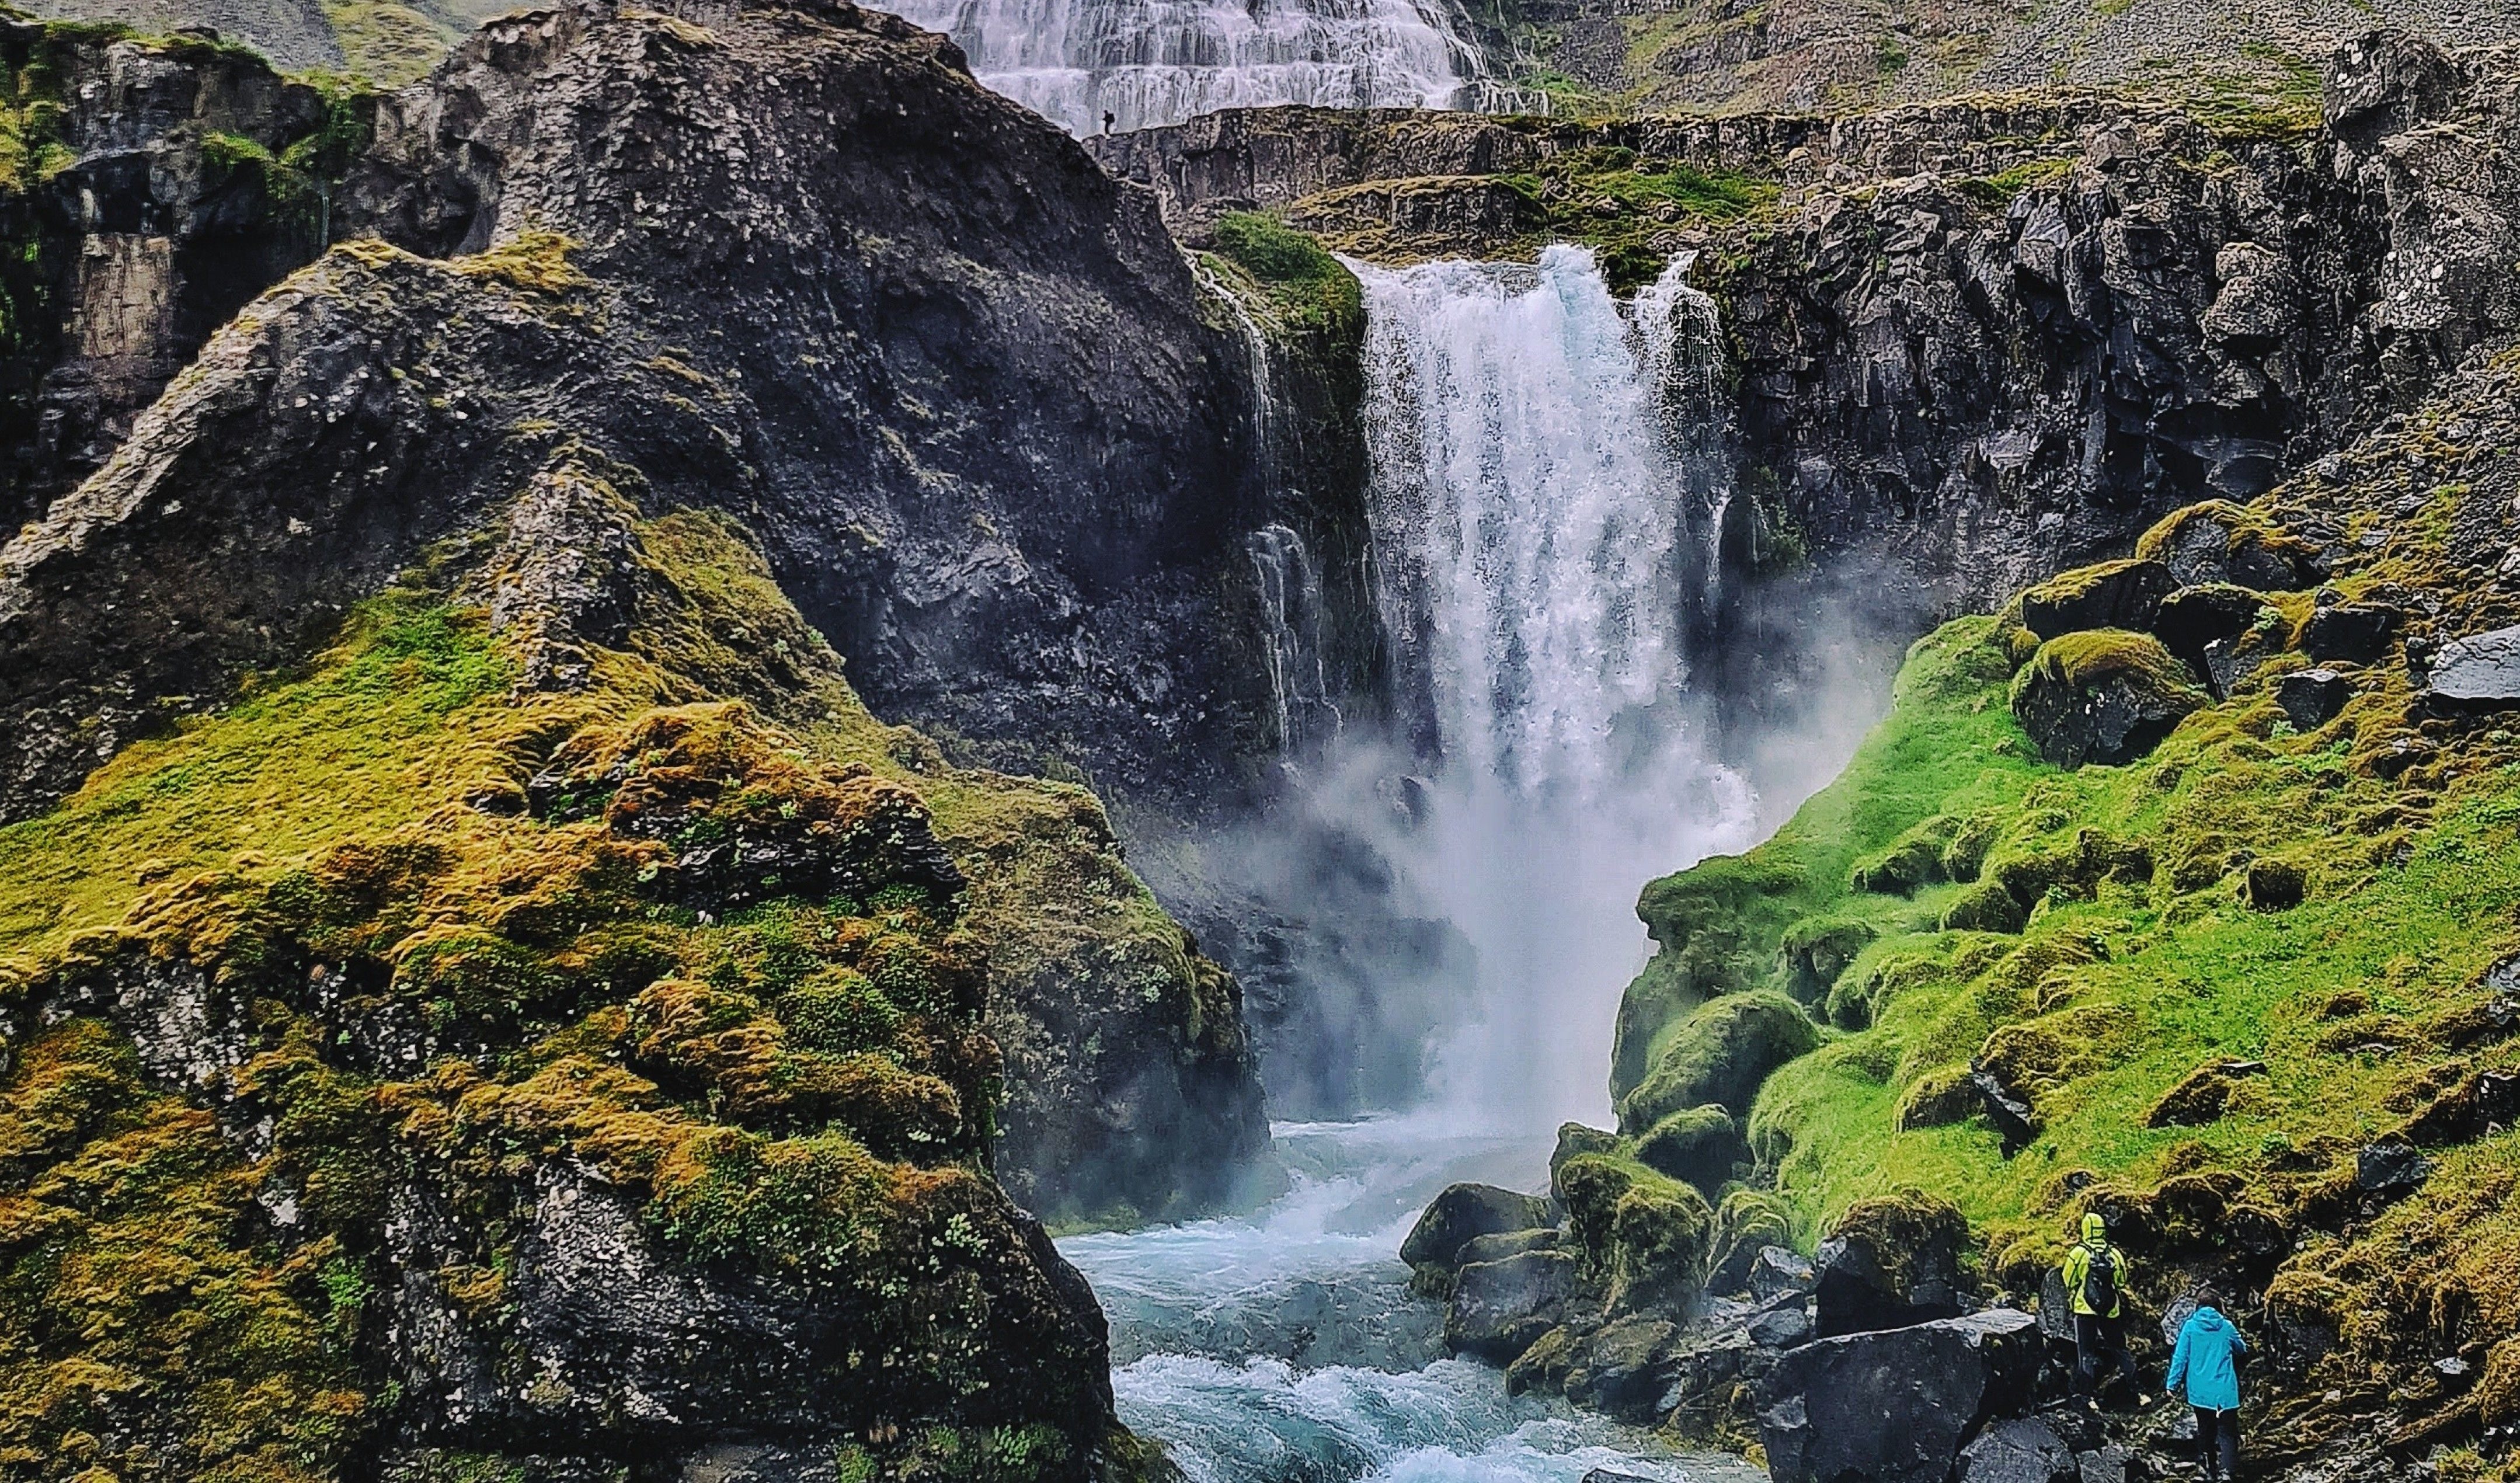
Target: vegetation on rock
395 928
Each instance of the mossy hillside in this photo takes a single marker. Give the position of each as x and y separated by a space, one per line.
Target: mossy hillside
1949 746
2136 954
436 968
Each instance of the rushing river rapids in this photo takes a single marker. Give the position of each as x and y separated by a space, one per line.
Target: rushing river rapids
1284 1347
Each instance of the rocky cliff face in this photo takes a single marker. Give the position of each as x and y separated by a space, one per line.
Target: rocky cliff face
1976 341
150 188
890 389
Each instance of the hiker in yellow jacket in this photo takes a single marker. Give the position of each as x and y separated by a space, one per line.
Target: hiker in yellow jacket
2096 1278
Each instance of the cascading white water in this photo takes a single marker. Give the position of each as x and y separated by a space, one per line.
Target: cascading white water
1156 61
1532 516
1533 503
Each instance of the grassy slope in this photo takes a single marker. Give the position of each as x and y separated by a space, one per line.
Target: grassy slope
2143 961
830 1107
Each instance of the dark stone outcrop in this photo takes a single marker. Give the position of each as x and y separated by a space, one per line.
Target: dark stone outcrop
1499 1308
2357 632
1888 1263
2192 620
2106 696
2310 698
2122 593
2480 671
145 236
1895 1406
738 309
1463 1214
2018 1449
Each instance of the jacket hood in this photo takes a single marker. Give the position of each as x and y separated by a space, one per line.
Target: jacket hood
2207 1319
2094 1228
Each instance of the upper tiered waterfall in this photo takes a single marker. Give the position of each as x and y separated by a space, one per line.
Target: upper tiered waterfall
1153 62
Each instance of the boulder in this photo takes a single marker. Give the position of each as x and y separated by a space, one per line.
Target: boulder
2274 885
2390 1170
2481 670
2109 595
1499 1308
1721 1055
1895 1406
1574 1139
2016 1124
1890 1262
2192 617
1620 1369
1781 1327
2111 1463
1696 1147
2356 632
2220 542
1642 1238
2017 1450
1779 1273
2106 695
1463 1213
2311 697
1747 1223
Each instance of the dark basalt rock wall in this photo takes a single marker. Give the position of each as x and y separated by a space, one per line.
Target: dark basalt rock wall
144 219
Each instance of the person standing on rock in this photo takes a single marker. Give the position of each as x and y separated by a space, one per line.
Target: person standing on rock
2206 1362
2096 1273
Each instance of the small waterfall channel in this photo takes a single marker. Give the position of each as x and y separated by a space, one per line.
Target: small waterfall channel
1540 519
1159 61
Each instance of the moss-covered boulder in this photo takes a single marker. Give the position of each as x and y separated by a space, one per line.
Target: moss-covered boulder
1816 949
1497 1309
1463 1213
1720 1055
2107 696
2192 620
2217 541
1892 1260
1746 1222
1705 925
1696 1146
2120 594
1912 861
1641 1239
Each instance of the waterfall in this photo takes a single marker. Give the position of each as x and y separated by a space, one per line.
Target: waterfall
1533 505
1290 612
1156 61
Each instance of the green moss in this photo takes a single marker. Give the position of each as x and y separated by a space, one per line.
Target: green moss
1720 1055
1310 291
1999 187
1696 1146
2242 894
799 1084
1642 1238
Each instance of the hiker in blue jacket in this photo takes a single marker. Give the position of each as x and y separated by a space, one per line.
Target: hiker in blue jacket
2206 1363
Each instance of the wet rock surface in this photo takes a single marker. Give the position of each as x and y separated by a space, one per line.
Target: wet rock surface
1897 1405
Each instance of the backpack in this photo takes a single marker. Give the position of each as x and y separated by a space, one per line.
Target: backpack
2101 1281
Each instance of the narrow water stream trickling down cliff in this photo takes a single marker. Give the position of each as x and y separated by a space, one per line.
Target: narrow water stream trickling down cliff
1539 543
1158 61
